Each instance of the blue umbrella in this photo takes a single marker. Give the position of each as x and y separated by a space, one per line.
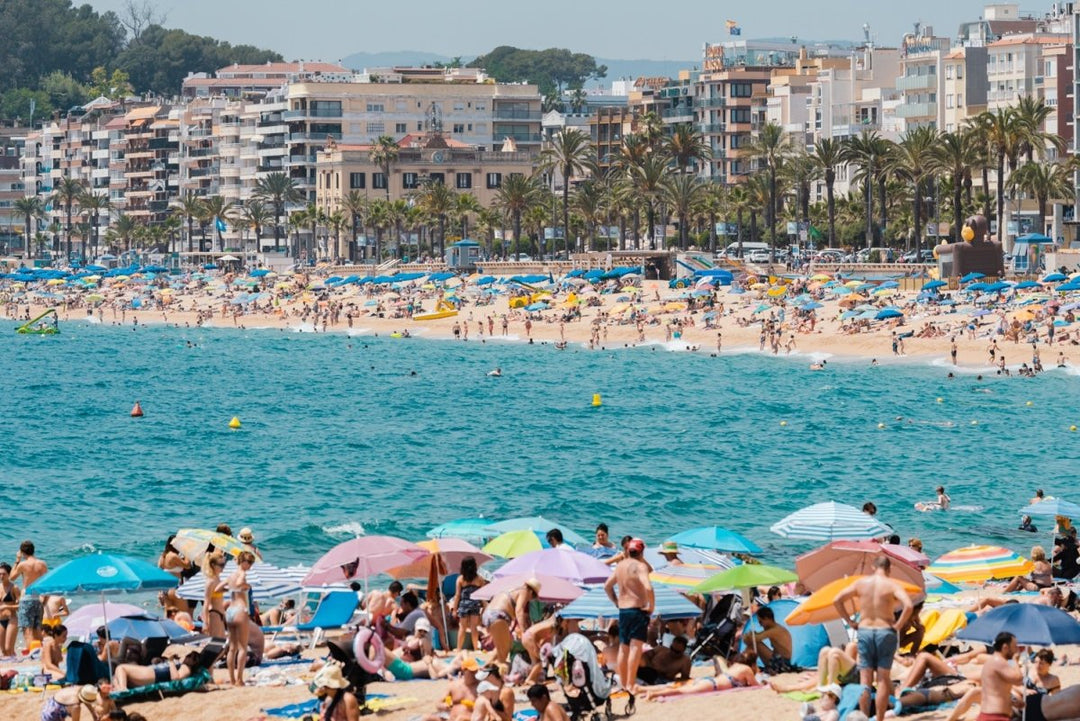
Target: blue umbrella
1035 238
259 273
886 313
1025 284
934 284
715 538
535 523
889 284
998 287
103 573
594 603
467 528
972 276
981 312
1032 624
1055 278
976 287
813 305
830 522
1051 508
146 626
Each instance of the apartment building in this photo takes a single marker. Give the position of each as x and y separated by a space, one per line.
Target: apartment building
731 104
790 104
607 128
965 86
1015 67
238 81
922 79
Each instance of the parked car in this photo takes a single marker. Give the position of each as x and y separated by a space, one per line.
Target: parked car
759 256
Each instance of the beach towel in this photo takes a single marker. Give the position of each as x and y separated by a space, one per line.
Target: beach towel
667 699
526 714
296 710
182 686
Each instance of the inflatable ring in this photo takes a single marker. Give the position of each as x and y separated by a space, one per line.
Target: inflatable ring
365 640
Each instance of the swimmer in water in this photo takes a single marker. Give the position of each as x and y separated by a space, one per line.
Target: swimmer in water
941 504
818 366
497 373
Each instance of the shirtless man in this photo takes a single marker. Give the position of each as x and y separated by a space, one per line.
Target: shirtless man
878 596
999 675
540 698
635 600
31 607
776 657
664 665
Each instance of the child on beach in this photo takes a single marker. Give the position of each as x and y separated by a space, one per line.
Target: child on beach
826 707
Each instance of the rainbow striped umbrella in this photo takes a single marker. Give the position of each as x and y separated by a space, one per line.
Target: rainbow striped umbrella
973 564
686 575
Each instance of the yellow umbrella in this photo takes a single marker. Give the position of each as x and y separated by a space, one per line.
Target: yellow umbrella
820 277
619 308
777 292
819 608
193 543
883 291
1024 315
514 543
672 307
56 281
759 286
853 283
449 551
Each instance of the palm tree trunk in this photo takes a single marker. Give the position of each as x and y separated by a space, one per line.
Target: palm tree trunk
884 208
869 192
712 233
1001 198
986 192
831 203
917 210
637 228
772 214
566 211
958 212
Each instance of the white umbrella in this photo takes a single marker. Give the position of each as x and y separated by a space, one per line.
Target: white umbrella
267 582
830 522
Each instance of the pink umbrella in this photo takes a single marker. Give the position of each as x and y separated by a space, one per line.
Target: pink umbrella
553 589
363 557
838 559
452 551
571 565
85 621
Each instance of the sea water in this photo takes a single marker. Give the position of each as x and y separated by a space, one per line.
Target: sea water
343 435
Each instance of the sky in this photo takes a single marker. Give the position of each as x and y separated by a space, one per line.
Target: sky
626 29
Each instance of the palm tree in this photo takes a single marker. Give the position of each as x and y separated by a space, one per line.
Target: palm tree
438 201
297 221
219 211
650 127
123 231
384 154
867 152
355 204
799 172
398 213
338 222
955 155
378 217
683 193
190 208
466 205
713 206
67 195
769 149
31 208
828 154
1004 132
279 190
756 187
255 215
647 179
170 227
570 154
488 221
913 158
1032 114
589 203
515 196
1044 181
92 206
686 145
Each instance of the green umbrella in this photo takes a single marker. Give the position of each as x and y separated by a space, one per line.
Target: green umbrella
747 575
514 543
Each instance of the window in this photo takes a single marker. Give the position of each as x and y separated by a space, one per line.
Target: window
357 181
325 109
337 181
376 107
437 178
459 106
960 100
738 141
401 128
463 181
322 129
740 90
948 72
378 181
410 181
470 127
494 180
740 115
376 128
481 106
420 126
459 127
949 101
959 72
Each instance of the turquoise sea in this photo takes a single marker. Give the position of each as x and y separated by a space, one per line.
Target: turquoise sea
338 436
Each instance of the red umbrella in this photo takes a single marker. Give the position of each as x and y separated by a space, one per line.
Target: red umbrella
838 559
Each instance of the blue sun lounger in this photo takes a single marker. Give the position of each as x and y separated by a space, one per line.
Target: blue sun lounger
334 611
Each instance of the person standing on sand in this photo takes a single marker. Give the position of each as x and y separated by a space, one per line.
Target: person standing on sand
999 675
31 606
952 351
878 596
635 600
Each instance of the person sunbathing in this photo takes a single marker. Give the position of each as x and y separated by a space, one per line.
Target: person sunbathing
740 674
52 651
133 675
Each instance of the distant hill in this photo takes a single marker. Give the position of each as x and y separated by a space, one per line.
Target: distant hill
618 69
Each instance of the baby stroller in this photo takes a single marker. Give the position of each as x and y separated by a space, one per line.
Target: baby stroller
717 634
584 682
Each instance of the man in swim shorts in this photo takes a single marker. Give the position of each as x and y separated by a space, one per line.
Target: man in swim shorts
635 600
878 595
999 675
31 607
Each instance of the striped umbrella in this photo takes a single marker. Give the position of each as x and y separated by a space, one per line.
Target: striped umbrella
594 603
973 564
267 582
829 522
686 575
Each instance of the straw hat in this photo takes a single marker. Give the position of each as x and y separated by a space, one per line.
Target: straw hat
246 536
534 584
329 676
669 547
88 694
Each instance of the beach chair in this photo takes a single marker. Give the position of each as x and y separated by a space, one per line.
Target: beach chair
83 665
334 611
195 682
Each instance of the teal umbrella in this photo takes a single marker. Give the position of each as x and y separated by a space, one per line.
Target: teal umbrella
539 524
715 538
467 528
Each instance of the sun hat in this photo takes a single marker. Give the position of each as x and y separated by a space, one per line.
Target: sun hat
669 547
329 676
486 686
832 688
89 694
422 624
635 545
534 584
471 664
246 536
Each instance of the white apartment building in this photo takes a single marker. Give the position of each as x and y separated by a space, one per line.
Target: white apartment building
922 79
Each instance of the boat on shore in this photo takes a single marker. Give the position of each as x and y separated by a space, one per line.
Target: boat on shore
45 324
443 309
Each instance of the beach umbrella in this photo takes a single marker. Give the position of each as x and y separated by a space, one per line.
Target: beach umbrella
829 522
1054 278
572 565
747 575
1035 239
688 555
685 575
363 557
933 584
886 313
193 543
855 558
84 621
973 564
537 523
977 287
1051 508
819 608
552 588
931 285
1025 284
595 604
972 276
813 305
267 582
1033 625
715 538
102 573
515 543
471 529
145 626
449 552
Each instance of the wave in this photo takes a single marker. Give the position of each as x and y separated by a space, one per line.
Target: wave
349 528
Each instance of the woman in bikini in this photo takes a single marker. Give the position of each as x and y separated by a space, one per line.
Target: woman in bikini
9 605
740 674
467 610
236 618
1041 576
503 610
133 675
172 562
52 651
214 599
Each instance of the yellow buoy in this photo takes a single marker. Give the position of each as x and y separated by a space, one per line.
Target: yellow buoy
596 400
940 400
783 423
880 425
1072 428
1029 404
234 423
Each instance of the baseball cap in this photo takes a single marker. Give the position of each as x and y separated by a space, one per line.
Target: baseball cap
422 624
636 545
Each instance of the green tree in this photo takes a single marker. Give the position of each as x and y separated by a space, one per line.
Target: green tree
384 155
279 190
63 90
29 208
356 205
683 193
16 105
570 154
123 232
515 196
254 215
955 155
438 201
1004 133
868 153
465 207
189 207
92 206
552 69
590 203
828 154
686 146
67 194
913 158
115 85
771 146
1044 181
217 208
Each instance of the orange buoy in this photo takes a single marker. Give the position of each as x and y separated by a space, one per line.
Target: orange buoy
136 412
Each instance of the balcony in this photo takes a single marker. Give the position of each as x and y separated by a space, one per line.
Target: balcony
297 160
714 128
314 137
917 110
910 83
711 102
518 137
678 114
514 114
851 129
310 113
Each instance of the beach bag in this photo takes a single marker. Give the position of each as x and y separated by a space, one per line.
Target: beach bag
6 678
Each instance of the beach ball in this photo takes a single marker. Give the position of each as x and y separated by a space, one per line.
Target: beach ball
968 234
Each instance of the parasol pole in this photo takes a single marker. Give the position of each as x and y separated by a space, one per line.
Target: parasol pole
108 640
444 640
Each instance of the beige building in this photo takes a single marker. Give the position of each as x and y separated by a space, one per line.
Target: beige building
731 104
965 86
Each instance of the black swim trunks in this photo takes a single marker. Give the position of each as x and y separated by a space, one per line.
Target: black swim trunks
633 625
1033 707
